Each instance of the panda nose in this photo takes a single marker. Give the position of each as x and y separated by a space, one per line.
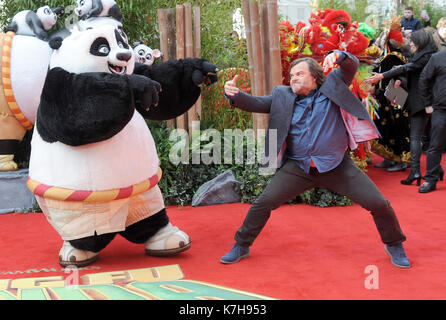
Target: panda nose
124 56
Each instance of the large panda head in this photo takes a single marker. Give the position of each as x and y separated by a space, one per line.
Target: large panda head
145 54
83 7
47 17
101 49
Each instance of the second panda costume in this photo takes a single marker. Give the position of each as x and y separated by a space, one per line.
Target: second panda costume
94 167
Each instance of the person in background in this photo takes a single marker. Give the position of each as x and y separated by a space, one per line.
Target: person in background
409 23
439 42
423 46
441 28
426 19
432 91
392 122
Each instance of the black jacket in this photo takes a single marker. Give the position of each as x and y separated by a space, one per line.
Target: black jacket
411 72
432 84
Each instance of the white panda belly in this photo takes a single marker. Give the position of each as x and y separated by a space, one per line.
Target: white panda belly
128 158
30 59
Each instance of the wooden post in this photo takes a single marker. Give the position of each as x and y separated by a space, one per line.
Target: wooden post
261 120
166 27
274 44
197 52
189 45
182 119
247 19
264 27
171 36
162 25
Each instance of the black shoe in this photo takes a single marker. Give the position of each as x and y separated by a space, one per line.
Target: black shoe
399 167
385 164
411 178
428 186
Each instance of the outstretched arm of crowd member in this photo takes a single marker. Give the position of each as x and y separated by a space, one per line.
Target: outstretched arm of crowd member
376 77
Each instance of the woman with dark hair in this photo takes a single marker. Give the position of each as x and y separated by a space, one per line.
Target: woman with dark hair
423 46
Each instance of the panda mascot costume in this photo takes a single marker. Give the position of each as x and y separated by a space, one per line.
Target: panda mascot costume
94 167
25 56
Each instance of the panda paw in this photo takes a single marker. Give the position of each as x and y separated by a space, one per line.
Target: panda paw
146 91
205 72
42 35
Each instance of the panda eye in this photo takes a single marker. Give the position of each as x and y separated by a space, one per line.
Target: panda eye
121 45
100 47
104 49
149 57
46 11
81 3
141 52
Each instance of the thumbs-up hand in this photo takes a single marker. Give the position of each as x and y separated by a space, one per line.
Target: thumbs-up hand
330 61
231 87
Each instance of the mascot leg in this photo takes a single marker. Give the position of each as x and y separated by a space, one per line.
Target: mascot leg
85 228
7 150
160 238
82 252
11 133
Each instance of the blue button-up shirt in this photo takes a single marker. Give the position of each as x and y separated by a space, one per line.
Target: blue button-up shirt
317 133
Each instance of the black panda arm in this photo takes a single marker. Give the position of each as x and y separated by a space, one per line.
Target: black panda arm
11 27
33 21
180 83
78 109
96 9
115 12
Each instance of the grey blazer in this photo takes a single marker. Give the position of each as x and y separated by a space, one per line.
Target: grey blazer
280 104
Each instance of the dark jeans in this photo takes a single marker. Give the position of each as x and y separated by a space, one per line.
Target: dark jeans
418 123
346 179
436 145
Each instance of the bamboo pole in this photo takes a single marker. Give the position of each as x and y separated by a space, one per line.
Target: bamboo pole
171 36
189 45
197 52
164 44
261 120
264 27
274 44
247 19
182 119
162 25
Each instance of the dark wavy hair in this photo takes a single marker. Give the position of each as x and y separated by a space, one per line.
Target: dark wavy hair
315 68
422 39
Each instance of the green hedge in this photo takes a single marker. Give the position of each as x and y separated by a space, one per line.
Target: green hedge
180 182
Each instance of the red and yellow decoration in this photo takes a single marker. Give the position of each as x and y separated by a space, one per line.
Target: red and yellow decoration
6 81
64 194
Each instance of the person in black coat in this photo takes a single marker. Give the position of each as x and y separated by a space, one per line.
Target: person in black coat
432 88
423 46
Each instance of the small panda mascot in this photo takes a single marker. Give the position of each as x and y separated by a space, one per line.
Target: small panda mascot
35 23
94 167
145 54
86 9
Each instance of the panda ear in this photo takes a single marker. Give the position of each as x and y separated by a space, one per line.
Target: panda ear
55 43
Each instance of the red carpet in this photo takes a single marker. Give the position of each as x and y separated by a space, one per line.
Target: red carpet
304 252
